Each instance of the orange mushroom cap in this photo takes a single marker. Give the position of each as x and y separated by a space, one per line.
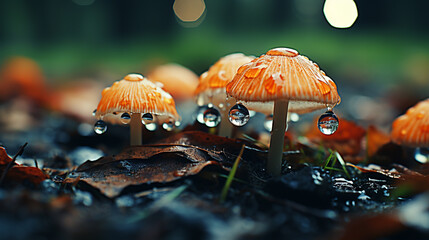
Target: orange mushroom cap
23 76
283 74
173 75
211 87
135 94
412 128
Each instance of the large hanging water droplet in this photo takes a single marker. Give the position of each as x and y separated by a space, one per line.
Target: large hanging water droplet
239 115
168 125
268 123
100 127
328 123
422 155
211 117
147 118
125 118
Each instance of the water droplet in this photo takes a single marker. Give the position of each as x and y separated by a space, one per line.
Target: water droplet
125 118
168 125
179 173
211 117
177 123
147 118
421 155
94 112
254 72
268 123
239 115
100 127
252 113
221 106
151 126
328 123
294 117
200 114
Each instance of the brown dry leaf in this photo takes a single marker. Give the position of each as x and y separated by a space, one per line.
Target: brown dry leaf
347 140
181 155
4 158
398 172
18 173
21 174
375 139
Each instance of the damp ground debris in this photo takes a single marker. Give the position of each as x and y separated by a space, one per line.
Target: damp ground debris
191 184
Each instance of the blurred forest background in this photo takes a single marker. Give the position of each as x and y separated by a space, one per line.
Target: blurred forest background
386 48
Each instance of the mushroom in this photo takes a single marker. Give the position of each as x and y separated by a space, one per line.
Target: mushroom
173 75
23 77
289 81
211 87
181 83
131 97
412 129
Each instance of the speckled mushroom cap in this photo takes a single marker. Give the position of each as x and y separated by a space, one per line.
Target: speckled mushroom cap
412 128
211 86
283 74
135 94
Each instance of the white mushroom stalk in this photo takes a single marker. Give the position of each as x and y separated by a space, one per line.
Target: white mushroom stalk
275 153
136 129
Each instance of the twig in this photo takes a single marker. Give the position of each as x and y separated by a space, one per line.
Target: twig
10 164
36 164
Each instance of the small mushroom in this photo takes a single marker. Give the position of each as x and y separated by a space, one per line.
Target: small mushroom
211 87
179 81
290 81
126 100
21 76
412 129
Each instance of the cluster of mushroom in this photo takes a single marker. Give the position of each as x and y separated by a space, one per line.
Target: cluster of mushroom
277 82
274 83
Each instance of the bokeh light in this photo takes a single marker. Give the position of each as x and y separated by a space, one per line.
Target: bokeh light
340 13
189 10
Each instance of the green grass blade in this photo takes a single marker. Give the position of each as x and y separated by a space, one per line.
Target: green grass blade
231 175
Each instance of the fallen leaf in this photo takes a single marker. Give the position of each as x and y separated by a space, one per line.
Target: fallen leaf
178 156
398 172
4 158
18 173
375 140
347 140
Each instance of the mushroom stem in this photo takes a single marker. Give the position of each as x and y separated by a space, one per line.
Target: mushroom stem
226 127
135 129
275 154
